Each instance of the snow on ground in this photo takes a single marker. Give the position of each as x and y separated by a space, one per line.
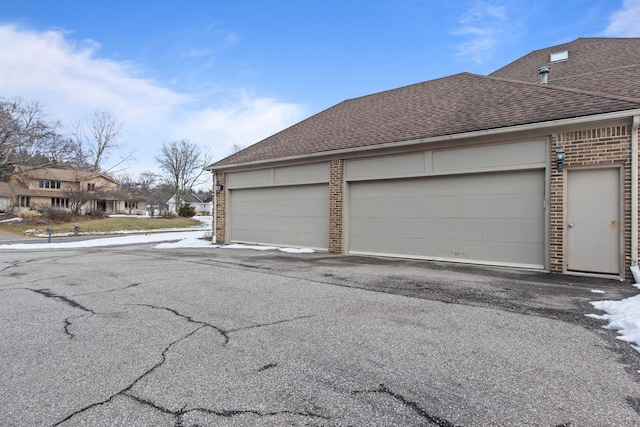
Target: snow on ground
622 316
194 237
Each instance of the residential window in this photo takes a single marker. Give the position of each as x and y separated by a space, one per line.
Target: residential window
132 205
23 201
59 202
45 183
91 187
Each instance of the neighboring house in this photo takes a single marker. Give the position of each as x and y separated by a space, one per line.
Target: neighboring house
533 166
5 198
33 188
201 201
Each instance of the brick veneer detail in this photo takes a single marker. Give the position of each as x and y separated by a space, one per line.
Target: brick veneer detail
336 199
593 147
220 199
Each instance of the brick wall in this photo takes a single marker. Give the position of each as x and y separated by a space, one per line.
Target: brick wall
336 197
220 199
594 147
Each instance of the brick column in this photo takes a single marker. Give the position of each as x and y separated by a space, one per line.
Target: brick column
556 212
336 203
219 209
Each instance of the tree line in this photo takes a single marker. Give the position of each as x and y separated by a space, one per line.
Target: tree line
29 137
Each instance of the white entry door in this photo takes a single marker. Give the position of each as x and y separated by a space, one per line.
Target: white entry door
593 220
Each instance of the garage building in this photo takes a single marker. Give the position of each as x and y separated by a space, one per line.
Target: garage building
532 166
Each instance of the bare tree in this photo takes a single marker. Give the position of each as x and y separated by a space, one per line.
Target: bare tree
77 197
97 136
29 137
182 164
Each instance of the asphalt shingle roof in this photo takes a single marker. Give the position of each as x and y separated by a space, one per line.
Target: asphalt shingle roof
586 55
68 175
451 105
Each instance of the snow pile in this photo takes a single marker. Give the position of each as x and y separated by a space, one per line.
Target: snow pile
622 316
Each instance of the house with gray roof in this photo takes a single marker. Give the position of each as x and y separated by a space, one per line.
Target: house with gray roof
200 201
533 166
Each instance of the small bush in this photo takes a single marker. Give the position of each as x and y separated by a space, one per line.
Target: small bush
56 214
187 210
28 214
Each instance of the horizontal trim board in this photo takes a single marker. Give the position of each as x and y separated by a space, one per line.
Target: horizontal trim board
453 260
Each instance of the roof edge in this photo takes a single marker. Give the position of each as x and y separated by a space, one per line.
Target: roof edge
473 134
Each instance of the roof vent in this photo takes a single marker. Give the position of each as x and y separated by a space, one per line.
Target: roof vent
559 56
544 75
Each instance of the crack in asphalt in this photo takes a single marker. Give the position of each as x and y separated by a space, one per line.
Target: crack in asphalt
67 322
267 366
262 325
49 294
427 292
30 282
133 285
224 333
125 391
382 389
12 264
179 414
634 402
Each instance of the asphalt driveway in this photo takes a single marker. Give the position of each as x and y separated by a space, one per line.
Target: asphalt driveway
213 337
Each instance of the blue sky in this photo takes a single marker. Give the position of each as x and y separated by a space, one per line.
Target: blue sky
221 73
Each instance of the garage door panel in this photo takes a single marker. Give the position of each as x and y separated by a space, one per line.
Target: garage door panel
396 208
291 216
275 206
492 217
400 227
500 230
449 249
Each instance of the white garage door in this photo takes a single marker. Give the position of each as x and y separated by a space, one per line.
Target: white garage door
290 216
493 218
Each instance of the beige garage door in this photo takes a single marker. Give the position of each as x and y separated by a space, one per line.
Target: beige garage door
286 216
493 218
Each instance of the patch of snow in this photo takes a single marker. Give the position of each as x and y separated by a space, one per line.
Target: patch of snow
597 291
16 219
109 241
296 250
624 317
190 242
179 238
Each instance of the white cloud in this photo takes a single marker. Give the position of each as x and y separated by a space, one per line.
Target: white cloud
484 26
246 121
71 80
624 22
